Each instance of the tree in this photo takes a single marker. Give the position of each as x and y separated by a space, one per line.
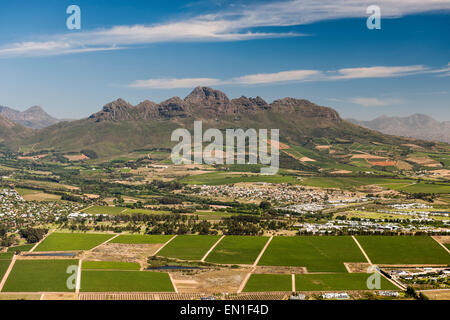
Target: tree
265 205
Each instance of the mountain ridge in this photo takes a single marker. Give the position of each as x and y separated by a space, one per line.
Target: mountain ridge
419 126
34 117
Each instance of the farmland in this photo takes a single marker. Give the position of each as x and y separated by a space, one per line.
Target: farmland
326 254
110 265
343 281
218 178
237 250
403 250
72 241
125 281
39 276
268 282
104 210
188 247
140 239
4 264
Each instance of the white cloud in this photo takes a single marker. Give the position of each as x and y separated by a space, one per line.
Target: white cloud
174 83
232 24
375 102
378 72
295 76
284 76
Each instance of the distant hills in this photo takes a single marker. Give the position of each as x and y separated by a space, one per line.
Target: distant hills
417 126
120 127
34 117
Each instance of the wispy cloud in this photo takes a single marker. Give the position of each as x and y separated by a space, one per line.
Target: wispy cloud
295 76
174 83
232 24
284 76
375 102
378 72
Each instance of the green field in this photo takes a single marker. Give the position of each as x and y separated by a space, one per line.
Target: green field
110 265
268 282
4 264
72 241
237 250
350 182
426 188
218 178
188 247
125 281
25 247
39 276
316 253
403 250
337 281
6 255
141 239
104 210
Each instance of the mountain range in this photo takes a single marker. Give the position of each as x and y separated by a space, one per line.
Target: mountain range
34 117
417 126
119 127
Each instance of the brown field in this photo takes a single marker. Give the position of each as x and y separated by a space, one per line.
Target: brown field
403 165
41 196
425 161
444 173
442 239
322 147
123 252
443 294
365 156
341 172
281 145
386 163
209 281
75 157
32 157
306 159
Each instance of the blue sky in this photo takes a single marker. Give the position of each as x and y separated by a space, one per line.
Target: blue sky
137 50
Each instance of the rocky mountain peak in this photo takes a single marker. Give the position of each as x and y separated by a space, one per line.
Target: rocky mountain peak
206 96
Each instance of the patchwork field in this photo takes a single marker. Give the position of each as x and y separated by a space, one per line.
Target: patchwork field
72 241
39 276
218 178
104 210
125 281
338 281
317 254
23 248
141 239
110 265
268 282
6 255
237 250
403 250
188 247
4 264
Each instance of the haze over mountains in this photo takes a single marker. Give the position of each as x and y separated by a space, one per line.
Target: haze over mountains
34 117
417 126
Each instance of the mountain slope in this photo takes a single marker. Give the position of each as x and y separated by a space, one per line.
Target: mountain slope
34 117
12 134
417 126
121 127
